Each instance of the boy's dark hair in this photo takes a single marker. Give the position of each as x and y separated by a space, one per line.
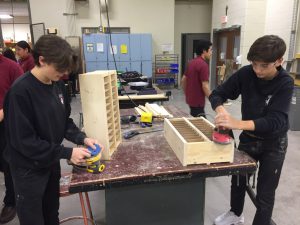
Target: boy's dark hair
267 49
8 53
24 45
203 45
56 51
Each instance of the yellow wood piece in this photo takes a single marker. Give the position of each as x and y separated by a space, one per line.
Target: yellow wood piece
189 141
146 117
297 56
297 82
158 110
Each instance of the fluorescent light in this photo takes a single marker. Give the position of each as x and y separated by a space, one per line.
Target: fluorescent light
6 16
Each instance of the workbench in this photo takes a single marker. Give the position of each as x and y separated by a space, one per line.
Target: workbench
125 102
146 184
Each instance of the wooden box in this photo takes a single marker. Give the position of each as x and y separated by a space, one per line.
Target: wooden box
191 140
100 108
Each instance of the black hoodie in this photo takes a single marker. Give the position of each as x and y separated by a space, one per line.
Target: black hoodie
266 102
36 122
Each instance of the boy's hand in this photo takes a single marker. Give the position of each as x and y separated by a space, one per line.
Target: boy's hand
90 142
79 155
227 121
1 115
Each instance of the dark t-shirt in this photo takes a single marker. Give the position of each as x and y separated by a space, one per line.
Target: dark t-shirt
196 73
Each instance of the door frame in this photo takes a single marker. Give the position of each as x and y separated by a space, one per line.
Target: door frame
214 60
187 46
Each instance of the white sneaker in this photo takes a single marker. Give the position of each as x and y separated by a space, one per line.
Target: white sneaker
229 218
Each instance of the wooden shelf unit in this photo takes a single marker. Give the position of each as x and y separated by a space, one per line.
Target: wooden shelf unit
100 108
191 141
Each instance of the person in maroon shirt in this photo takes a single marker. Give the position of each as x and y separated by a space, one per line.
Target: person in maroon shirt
9 72
195 81
26 60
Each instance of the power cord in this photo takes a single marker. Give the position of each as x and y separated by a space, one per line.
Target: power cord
115 63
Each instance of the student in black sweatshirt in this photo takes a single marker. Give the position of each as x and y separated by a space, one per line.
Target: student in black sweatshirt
37 120
266 90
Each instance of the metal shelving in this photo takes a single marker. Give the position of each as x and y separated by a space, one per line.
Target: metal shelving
166 70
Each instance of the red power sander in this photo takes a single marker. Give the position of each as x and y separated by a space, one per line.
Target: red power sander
221 136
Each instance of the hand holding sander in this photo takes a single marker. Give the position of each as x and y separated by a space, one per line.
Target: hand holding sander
221 136
93 164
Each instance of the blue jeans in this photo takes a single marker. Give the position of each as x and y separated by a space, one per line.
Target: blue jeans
270 154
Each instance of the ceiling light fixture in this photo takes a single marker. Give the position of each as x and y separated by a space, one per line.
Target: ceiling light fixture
6 16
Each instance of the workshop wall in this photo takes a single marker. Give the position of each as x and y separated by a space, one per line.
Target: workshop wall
142 16
256 18
191 17
244 13
279 21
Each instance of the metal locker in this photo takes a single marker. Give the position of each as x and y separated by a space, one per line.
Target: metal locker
91 66
146 47
147 68
115 45
124 66
89 47
101 47
135 47
136 66
112 66
124 47
101 66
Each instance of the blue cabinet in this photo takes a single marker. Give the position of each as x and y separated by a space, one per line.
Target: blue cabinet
146 47
101 47
124 47
89 48
147 68
132 52
135 47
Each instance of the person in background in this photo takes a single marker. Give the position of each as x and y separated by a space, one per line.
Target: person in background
266 91
9 72
195 81
8 53
23 52
37 119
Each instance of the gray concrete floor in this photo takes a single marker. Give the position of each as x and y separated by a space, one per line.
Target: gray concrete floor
287 203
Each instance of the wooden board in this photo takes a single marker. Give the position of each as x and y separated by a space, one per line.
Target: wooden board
100 108
191 140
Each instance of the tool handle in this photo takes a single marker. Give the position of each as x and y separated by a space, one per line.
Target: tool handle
94 151
130 134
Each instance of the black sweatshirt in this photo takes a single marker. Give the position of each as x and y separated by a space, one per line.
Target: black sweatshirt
266 102
36 121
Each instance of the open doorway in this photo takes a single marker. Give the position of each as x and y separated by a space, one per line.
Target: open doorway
188 49
226 45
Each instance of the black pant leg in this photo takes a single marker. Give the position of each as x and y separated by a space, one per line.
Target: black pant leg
269 173
51 197
237 194
239 183
197 111
9 198
30 186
